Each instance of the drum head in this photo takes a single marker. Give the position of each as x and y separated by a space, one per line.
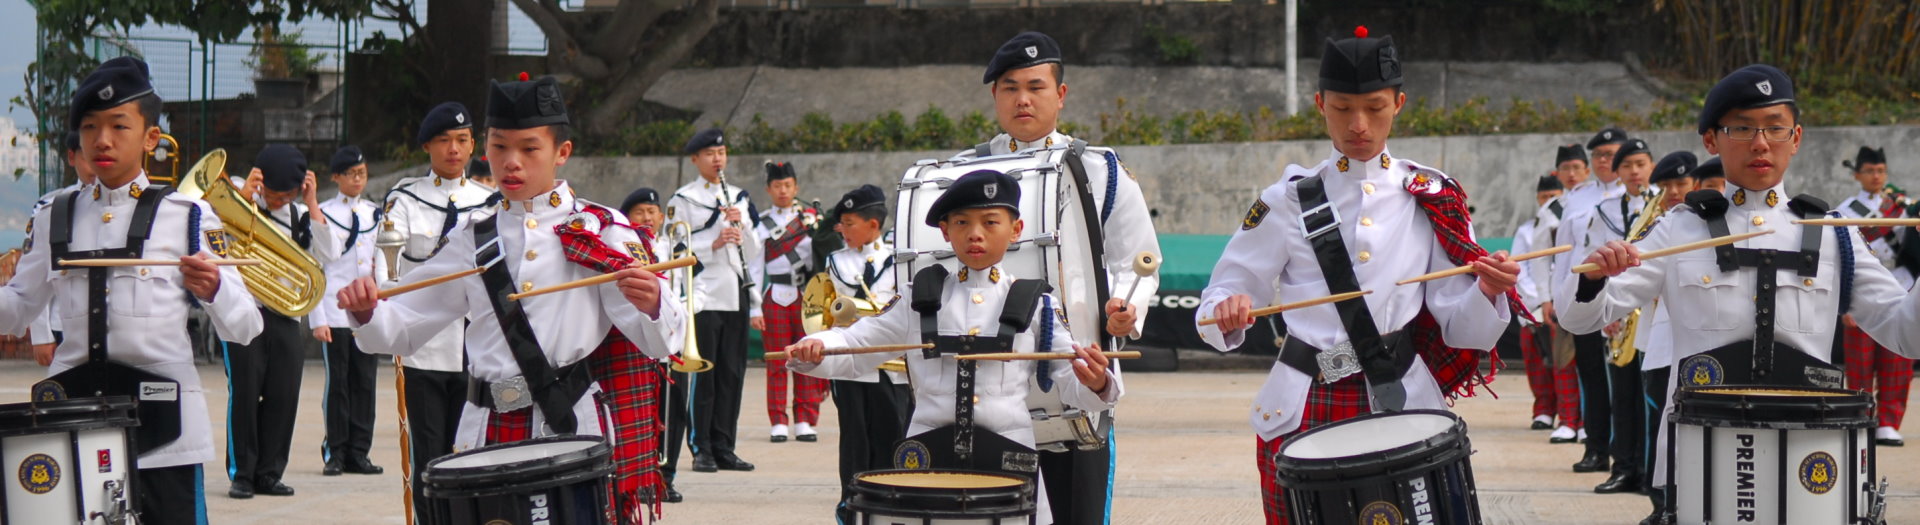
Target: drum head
1370 447
1775 407
525 465
82 413
1362 436
941 494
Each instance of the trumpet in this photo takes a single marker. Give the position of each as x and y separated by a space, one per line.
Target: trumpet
1621 346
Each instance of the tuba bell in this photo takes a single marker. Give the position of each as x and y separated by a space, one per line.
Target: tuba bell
289 282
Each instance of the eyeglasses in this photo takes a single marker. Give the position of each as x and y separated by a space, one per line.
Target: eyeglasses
1746 133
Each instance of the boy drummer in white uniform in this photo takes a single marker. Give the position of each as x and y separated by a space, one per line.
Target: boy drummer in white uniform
979 215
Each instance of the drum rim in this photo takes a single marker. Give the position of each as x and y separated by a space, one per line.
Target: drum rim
1833 409
533 474
922 502
79 413
1412 459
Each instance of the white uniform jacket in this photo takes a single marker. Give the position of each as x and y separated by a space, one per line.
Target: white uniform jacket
414 205
723 272
1388 238
774 221
350 261
847 268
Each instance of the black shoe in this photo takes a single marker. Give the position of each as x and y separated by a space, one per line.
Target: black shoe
332 468
704 463
1540 425
276 489
673 496
363 466
777 438
1659 517
1890 442
732 462
240 490
1620 482
809 438
1593 462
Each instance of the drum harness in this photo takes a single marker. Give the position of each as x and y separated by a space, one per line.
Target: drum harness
1381 358
1016 315
554 389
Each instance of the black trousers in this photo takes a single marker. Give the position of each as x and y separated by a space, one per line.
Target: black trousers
349 403
1629 417
677 423
170 495
873 417
1078 483
434 402
263 380
1655 381
1590 362
716 393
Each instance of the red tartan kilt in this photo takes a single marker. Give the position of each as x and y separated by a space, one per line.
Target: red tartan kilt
633 387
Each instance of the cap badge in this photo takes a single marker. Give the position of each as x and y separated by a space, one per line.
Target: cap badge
719 139
849 203
460 118
1033 52
990 190
106 93
1606 135
1766 87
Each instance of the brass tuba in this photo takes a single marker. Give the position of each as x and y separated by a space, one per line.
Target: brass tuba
289 281
822 307
1622 346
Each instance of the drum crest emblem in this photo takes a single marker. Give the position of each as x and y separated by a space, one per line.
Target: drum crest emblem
1701 370
912 455
39 474
48 391
1819 473
1381 513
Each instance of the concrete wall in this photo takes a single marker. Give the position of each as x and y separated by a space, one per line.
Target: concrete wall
1205 189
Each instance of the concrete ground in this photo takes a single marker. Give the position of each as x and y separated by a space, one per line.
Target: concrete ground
1186 456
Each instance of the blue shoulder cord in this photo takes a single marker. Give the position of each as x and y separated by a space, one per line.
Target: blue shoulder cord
1042 368
1844 238
1113 185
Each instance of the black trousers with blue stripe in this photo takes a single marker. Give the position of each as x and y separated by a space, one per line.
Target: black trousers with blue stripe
349 402
263 380
1079 483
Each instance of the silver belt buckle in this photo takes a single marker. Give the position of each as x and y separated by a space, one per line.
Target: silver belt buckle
1338 362
511 394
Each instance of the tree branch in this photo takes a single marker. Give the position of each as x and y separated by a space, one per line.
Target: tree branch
400 11
647 67
623 32
563 50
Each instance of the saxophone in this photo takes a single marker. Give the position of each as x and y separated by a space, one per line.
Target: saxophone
1623 350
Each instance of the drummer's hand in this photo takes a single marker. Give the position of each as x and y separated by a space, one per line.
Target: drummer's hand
324 333
1613 258
200 277
1120 317
359 298
1497 273
759 323
642 289
1091 367
43 354
806 351
1234 314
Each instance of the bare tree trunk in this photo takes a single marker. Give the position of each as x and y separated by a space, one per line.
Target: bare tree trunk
458 52
660 56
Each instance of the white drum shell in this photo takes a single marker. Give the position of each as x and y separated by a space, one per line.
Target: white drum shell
57 505
1750 467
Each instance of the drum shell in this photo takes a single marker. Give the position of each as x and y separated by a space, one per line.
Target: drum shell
1429 479
938 505
566 487
80 444
1802 455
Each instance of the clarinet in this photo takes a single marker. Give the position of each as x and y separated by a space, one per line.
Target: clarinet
739 255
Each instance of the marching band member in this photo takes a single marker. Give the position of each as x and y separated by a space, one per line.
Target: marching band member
426 209
726 294
532 358
979 214
873 405
264 380
1675 176
785 263
1572 170
1589 350
642 207
1870 366
1360 220
126 327
1752 318
355 223
1610 220
1027 80
1544 374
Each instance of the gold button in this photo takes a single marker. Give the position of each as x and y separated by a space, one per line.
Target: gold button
1364 256
1278 413
1366 221
526 287
531 224
974 331
1808 282
450 198
1706 279
358 262
1758 220
976 400
1367 187
1265 417
531 254
977 299
869 258
1256 408
106 217
143 273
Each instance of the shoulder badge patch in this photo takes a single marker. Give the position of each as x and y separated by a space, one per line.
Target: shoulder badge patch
218 241
1255 214
639 253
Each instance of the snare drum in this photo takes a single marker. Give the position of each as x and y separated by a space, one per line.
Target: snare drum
545 480
941 497
1770 454
68 461
1398 467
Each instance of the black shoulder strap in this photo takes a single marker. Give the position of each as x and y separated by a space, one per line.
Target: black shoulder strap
1323 233
61 220
927 284
1556 208
984 149
1023 297
1861 208
516 329
1096 240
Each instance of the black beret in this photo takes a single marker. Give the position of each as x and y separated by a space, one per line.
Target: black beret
1025 50
1676 165
1548 183
1631 147
115 82
639 197
1755 86
1359 64
443 118
282 167
73 140
779 170
526 104
345 159
977 189
1607 136
1866 156
1708 170
706 138
864 196
1569 152
479 167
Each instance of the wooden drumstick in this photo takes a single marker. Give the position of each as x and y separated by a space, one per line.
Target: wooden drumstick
1864 223
1696 245
1270 310
109 263
1042 356
1458 270
455 276
602 278
857 350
